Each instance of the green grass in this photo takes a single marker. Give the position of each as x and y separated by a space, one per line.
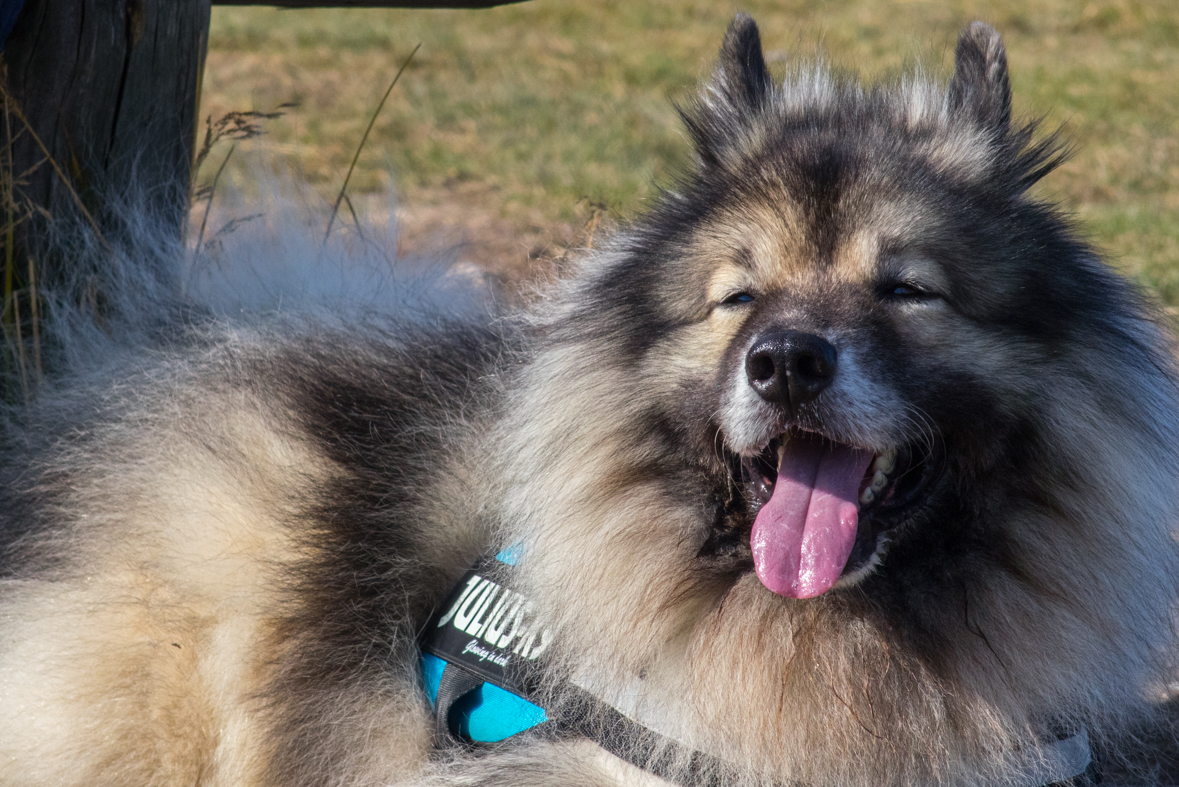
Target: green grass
523 115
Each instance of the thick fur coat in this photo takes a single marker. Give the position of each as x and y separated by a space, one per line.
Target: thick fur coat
219 550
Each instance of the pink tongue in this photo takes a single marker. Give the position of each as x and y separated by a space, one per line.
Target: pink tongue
802 537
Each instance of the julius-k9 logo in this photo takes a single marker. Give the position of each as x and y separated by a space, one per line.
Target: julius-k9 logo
487 628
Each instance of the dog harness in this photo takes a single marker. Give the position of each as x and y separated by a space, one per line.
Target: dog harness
480 652
476 653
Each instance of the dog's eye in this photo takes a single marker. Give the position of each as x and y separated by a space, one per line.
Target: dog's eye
737 298
907 290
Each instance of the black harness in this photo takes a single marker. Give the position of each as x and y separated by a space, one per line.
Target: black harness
479 657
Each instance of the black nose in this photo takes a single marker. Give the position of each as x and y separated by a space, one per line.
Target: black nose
790 368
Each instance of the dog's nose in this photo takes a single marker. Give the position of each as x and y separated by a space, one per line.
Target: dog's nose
790 368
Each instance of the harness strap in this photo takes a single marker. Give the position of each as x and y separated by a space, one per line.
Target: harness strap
1066 762
454 684
589 717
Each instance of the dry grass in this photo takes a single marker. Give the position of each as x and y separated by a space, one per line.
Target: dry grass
513 123
20 359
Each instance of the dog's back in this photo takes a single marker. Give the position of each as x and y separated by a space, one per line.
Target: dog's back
197 551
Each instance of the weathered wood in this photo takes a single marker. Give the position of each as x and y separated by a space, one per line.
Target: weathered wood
372 3
110 87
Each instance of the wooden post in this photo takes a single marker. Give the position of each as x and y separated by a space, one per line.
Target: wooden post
109 88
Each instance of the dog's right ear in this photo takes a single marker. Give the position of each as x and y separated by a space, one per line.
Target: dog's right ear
739 88
741 75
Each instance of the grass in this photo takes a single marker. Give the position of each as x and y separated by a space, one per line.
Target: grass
515 122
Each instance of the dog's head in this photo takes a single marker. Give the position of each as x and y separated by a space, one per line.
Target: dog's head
882 286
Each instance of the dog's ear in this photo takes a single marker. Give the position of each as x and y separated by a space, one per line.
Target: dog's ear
741 75
739 88
980 87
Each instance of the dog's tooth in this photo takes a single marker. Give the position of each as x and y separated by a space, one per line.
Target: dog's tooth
866 496
879 481
886 461
781 453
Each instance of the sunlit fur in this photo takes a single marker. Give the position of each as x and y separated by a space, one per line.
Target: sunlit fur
218 548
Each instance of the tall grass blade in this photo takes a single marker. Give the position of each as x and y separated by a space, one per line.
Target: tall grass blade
9 229
36 318
355 218
20 347
363 139
12 106
209 200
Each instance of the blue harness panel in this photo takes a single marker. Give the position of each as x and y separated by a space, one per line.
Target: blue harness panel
488 714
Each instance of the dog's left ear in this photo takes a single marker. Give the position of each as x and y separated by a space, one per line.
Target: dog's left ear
980 86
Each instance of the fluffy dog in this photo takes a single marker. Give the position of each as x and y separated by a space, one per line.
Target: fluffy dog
848 464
